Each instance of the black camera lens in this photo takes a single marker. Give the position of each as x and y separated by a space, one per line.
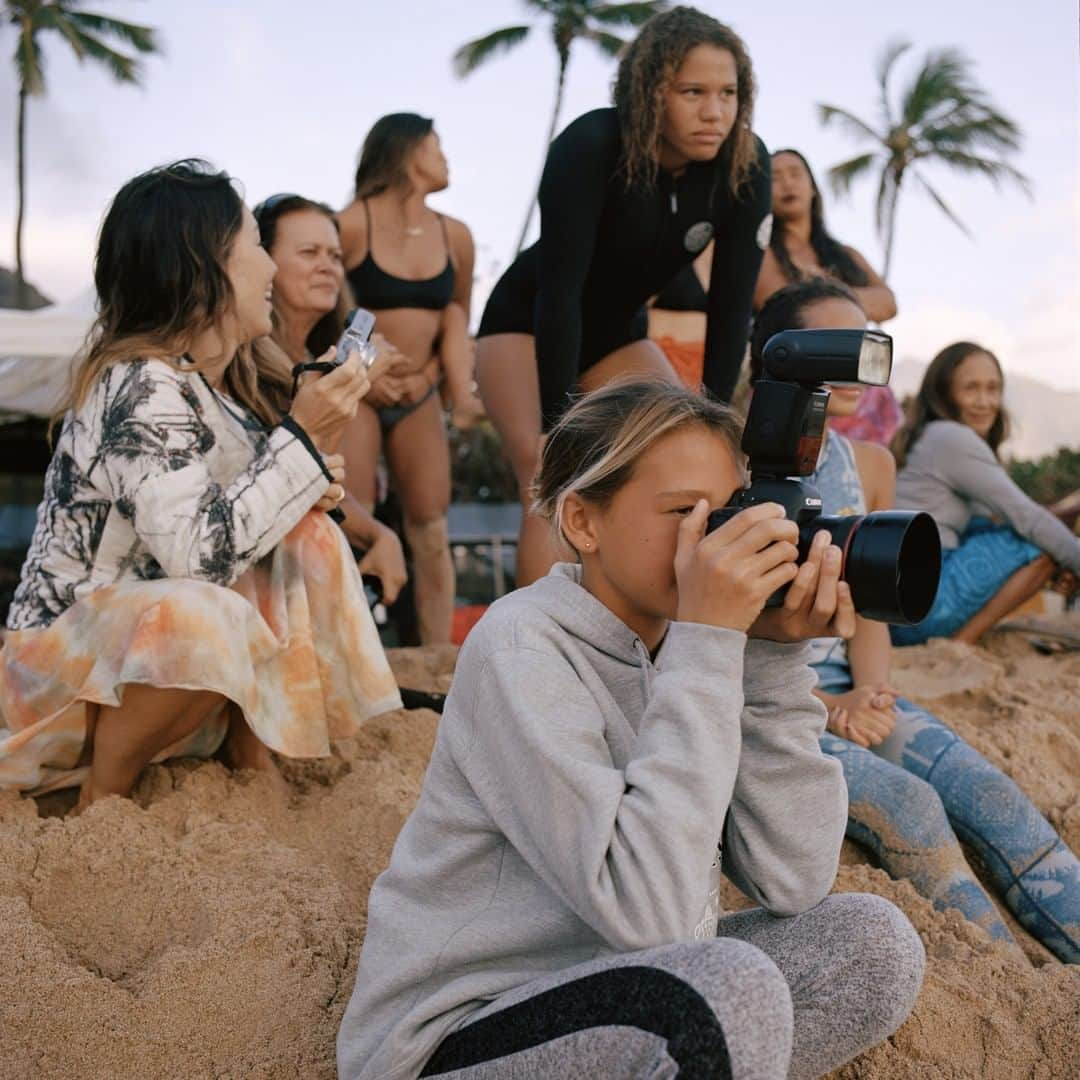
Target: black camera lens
892 561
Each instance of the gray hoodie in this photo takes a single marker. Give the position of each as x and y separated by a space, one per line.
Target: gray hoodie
574 805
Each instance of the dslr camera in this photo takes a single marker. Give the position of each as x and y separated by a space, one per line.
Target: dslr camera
892 558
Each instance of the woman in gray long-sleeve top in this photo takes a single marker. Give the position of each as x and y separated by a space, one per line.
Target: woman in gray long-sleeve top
999 546
617 734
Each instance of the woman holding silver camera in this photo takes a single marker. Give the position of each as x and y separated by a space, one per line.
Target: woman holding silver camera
914 786
629 195
180 596
311 304
413 267
616 734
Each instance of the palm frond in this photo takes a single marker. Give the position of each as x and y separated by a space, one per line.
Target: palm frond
29 63
942 205
51 19
143 39
473 54
889 55
995 171
124 68
970 129
834 115
629 14
609 44
943 77
842 175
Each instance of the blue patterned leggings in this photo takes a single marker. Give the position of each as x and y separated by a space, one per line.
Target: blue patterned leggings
913 795
971 575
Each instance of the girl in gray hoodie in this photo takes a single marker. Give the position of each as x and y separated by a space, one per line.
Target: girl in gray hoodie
618 734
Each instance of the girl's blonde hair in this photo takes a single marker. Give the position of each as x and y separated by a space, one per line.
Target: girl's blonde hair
593 449
161 279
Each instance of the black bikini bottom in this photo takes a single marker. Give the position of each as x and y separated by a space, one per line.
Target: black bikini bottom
392 415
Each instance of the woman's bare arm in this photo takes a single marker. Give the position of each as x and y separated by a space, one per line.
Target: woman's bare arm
875 298
461 244
770 279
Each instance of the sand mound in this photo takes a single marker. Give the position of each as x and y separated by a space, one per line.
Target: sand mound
210 927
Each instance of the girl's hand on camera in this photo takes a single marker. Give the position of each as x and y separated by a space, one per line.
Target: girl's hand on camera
725 578
324 404
818 603
335 465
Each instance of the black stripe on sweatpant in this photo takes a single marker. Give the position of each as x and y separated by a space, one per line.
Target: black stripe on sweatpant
643 997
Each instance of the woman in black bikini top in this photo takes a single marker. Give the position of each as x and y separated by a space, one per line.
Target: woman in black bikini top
412 267
629 195
379 291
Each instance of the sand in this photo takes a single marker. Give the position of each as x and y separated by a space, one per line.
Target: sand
211 926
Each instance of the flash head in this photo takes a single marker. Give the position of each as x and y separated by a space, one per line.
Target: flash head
813 357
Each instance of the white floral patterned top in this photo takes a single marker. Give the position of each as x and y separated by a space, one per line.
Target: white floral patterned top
157 475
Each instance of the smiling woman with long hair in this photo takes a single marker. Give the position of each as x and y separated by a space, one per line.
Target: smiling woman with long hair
179 595
629 195
999 546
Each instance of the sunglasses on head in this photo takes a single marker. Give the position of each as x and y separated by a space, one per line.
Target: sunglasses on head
271 201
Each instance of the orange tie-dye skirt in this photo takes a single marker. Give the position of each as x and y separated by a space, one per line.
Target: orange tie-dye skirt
687 358
291 642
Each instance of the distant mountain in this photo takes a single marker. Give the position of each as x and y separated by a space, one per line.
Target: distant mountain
1044 417
34 299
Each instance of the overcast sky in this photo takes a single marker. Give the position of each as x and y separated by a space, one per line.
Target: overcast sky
281 93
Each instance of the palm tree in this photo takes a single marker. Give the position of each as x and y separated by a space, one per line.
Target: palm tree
85 33
570 20
943 116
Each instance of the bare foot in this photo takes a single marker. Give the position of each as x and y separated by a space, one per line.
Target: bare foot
86 797
242 749
89 794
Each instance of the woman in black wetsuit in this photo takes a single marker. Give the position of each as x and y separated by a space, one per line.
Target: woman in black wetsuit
629 195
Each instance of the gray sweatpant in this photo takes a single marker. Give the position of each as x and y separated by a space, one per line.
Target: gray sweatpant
766 999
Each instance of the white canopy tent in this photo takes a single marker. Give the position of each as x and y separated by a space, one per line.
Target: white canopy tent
36 350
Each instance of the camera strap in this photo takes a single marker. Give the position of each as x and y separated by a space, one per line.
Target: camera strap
321 366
